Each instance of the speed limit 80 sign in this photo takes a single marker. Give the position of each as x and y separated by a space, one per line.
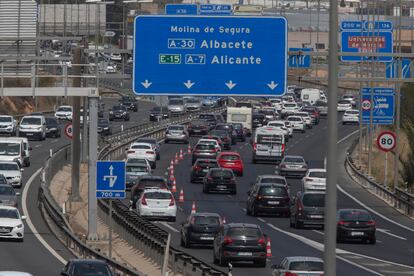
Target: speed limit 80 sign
386 141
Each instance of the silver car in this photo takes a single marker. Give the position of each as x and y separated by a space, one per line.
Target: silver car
177 133
293 166
176 106
8 195
192 104
300 265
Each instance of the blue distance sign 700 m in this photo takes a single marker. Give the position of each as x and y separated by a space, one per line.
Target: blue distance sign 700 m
210 55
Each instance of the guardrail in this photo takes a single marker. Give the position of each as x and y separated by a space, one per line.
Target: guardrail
140 233
399 199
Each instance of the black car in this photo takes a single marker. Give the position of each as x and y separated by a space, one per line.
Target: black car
129 102
158 113
258 120
355 224
200 228
220 180
212 119
200 169
237 242
198 127
104 128
101 109
269 198
230 130
224 136
241 134
53 128
146 181
119 112
78 267
308 208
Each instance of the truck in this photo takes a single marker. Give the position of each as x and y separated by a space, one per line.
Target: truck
241 115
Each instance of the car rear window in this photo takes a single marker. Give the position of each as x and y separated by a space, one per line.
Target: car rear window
343 102
136 168
294 119
273 191
207 117
221 174
273 180
204 147
175 128
306 266
294 160
244 232
230 157
314 200
269 139
204 220
157 195
149 141
289 105
317 174
151 183
207 164
355 215
141 147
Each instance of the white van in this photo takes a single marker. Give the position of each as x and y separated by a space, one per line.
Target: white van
26 147
33 126
268 144
241 115
310 95
12 150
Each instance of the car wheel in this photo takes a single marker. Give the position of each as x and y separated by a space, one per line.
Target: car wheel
233 192
298 224
182 242
205 189
339 239
215 260
192 180
248 212
254 160
173 219
303 131
28 164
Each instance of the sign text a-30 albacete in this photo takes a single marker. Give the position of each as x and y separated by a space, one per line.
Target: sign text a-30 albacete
211 55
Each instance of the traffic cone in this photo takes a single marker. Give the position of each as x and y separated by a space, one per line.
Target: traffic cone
189 149
268 249
172 177
171 164
181 197
181 157
224 220
174 187
176 159
193 208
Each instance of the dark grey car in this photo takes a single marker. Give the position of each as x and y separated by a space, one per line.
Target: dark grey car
8 195
308 208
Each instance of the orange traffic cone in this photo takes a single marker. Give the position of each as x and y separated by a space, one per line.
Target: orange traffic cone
181 197
174 187
171 164
224 220
193 208
268 249
181 157
172 177
176 159
189 149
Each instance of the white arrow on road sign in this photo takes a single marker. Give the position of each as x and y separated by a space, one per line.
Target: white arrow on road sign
230 84
111 177
272 85
111 170
189 84
146 83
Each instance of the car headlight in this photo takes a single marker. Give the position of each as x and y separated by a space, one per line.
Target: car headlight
19 226
111 112
17 177
106 128
124 113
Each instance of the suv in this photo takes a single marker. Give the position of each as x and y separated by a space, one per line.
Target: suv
307 208
129 102
33 126
208 151
176 106
177 133
200 228
224 137
158 113
87 267
8 195
8 125
119 112
64 112
268 198
200 169
240 242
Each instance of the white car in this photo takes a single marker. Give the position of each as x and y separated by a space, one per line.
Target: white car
344 105
33 126
306 118
300 265
157 203
116 57
289 127
64 112
143 151
297 123
281 125
110 69
14 273
11 224
13 173
315 179
349 97
350 117
8 125
210 142
288 108
276 103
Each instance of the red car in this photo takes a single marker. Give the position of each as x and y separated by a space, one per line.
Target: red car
231 160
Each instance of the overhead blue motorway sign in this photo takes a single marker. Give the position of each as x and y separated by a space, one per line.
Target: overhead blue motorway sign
392 69
210 55
300 61
110 179
181 9
215 9
366 37
382 105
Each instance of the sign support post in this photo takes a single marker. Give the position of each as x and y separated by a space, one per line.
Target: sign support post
386 168
110 230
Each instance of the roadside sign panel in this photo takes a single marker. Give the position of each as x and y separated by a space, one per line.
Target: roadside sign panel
110 179
386 141
300 61
383 105
392 69
181 9
210 55
215 9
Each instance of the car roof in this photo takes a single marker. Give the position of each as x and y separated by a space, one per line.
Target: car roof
96 261
271 176
140 143
303 258
270 184
8 207
205 214
316 170
293 156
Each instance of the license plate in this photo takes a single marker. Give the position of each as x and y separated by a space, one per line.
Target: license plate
273 202
157 213
207 238
316 216
3 230
206 171
357 233
244 254
222 186
29 134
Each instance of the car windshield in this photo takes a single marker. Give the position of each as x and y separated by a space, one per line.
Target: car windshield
158 195
273 191
294 160
5 119
230 157
141 146
306 266
176 102
223 127
118 107
31 121
64 109
203 220
314 200
51 121
269 139
221 174
355 215
343 102
103 121
244 232
9 213
6 190
175 128
9 148
3 180
352 112
276 124
156 108
317 174
134 169
273 180
9 167
91 269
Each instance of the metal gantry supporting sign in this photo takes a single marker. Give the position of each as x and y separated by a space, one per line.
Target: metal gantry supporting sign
364 37
210 55
383 105
110 179
302 60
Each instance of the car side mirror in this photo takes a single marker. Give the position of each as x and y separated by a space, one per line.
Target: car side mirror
17 194
23 217
21 169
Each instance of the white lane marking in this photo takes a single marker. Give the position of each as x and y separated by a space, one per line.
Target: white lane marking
169 227
360 266
29 221
319 232
346 137
54 141
387 232
38 146
244 209
262 220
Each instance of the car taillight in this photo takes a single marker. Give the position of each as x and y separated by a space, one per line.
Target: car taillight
259 197
283 148
149 152
196 168
209 178
254 146
371 223
172 203
261 241
227 240
131 151
300 206
144 201
343 223
290 274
